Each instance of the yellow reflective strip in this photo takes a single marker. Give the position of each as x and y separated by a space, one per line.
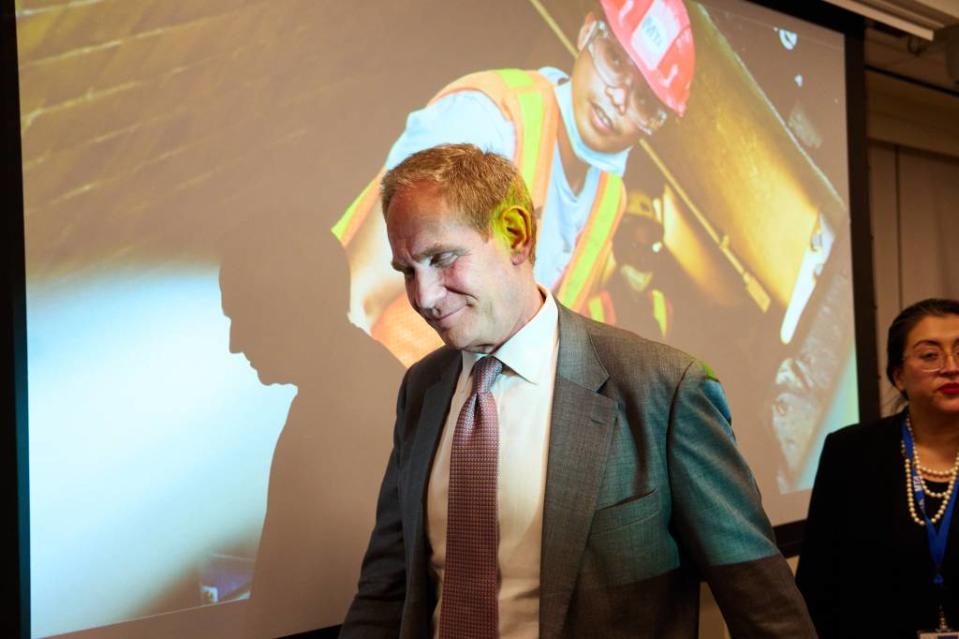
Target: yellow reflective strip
515 78
346 221
659 310
533 110
596 310
599 232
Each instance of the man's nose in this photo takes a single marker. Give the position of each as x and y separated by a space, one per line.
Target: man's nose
426 291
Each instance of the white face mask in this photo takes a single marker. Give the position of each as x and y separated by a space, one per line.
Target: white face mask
611 162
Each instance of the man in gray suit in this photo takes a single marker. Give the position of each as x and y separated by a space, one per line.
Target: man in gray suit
616 482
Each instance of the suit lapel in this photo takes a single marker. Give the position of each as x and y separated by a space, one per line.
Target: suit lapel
582 424
436 401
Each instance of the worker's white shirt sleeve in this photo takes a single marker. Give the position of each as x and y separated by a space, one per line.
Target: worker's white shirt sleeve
458 118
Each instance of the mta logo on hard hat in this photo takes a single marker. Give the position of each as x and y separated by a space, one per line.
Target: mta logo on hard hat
657 36
658 29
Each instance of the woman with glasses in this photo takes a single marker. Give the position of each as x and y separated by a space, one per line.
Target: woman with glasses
881 551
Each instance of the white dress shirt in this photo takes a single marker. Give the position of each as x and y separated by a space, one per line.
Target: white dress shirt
523 394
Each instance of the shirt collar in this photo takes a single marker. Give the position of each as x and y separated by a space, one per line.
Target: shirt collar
525 352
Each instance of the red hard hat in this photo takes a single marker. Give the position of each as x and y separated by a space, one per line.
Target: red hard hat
657 36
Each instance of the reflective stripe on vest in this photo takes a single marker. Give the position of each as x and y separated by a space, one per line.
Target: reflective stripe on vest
346 227
594 243
660 311
600 308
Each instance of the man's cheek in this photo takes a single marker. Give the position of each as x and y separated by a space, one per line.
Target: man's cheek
410 297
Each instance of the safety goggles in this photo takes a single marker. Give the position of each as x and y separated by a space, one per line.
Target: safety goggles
616 69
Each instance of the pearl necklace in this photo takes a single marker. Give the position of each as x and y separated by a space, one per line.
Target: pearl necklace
920 469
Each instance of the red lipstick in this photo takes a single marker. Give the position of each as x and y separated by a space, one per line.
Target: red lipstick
950 389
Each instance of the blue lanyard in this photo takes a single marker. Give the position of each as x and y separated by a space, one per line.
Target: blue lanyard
937 538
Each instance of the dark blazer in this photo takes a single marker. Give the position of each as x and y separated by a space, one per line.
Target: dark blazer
864 568
645 494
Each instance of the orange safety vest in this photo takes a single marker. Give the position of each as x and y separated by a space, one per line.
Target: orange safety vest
526 98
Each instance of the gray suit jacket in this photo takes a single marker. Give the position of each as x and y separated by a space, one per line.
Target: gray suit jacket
645 495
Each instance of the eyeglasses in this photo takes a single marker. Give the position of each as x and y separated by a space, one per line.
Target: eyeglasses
931 359
616 69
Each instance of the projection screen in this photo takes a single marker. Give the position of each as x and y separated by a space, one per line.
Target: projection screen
215 338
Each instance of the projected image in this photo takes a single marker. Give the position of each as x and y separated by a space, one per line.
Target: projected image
216 336
721 233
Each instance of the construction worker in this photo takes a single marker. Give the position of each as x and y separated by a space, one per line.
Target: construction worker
569 135
629 293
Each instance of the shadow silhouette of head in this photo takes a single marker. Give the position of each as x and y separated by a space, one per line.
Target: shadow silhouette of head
285 289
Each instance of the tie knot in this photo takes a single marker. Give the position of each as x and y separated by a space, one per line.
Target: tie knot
484 372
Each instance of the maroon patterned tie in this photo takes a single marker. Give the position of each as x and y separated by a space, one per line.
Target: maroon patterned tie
471 578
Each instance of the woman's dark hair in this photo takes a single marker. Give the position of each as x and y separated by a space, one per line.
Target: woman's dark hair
905 322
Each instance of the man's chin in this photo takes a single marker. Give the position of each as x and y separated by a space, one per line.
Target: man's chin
469 345
269 378
450 339
457 340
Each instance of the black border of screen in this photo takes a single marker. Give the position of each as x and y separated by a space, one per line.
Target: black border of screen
14 620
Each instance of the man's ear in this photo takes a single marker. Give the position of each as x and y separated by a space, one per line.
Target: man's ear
584 30
516 227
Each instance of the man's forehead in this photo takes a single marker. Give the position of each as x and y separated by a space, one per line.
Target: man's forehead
419 211
415 235
421 193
